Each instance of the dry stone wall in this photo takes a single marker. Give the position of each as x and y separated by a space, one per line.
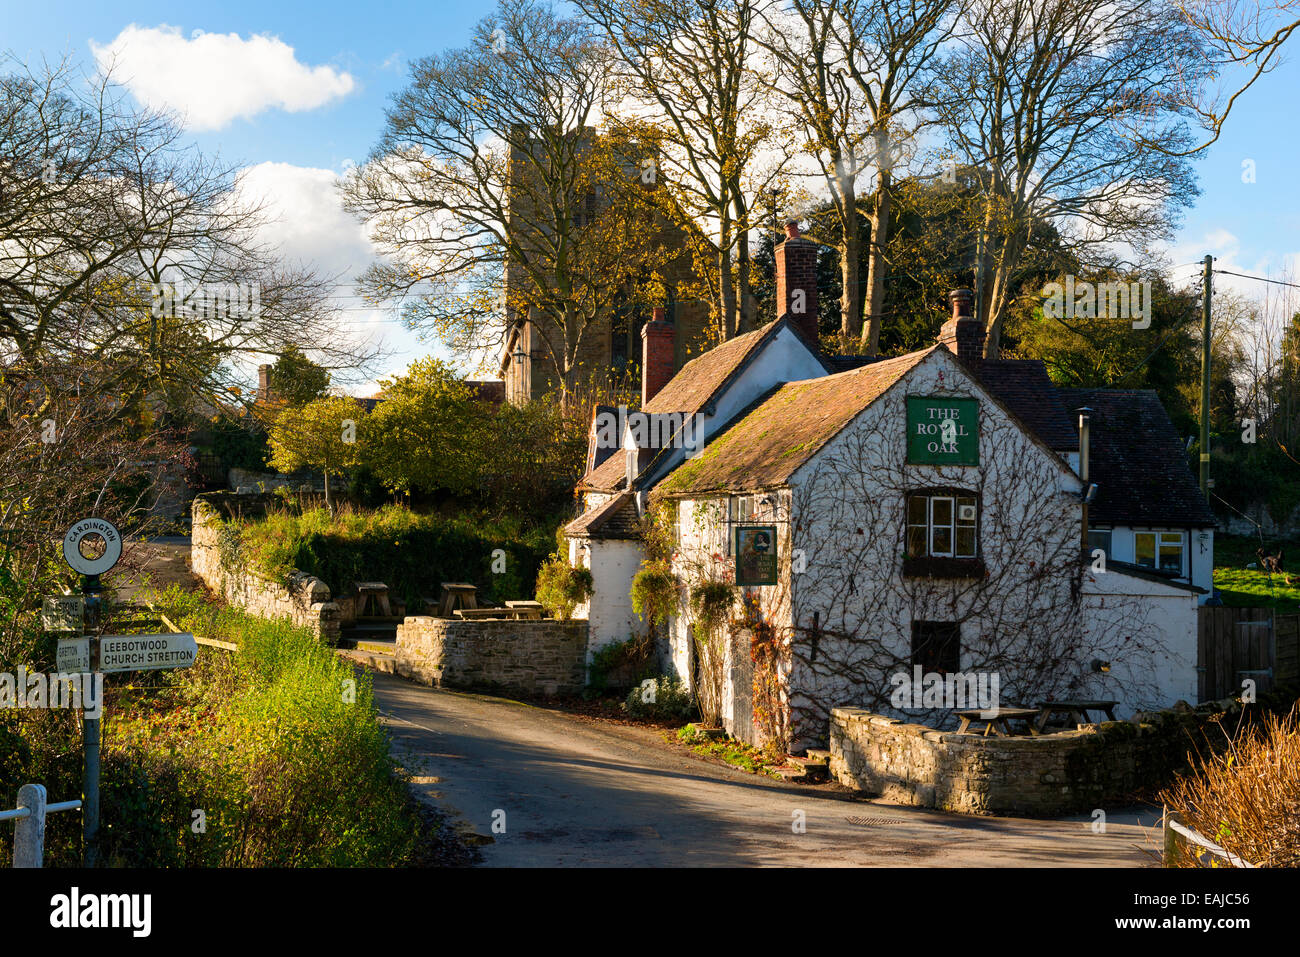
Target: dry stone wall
1066 772
522 657
303 598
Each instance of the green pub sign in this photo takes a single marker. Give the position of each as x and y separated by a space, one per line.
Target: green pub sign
756 555
942 431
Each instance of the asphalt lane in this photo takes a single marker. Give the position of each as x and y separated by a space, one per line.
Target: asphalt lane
539 788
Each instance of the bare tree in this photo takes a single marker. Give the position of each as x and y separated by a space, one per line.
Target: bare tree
1041 97
492 175
1240 38
686 70
131 258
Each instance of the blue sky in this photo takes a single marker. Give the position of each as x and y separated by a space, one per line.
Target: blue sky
328 93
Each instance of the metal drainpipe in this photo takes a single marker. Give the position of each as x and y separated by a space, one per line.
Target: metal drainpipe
1083 475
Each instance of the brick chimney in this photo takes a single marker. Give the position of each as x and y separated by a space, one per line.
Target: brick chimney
264 383
657 343
963 334
796 282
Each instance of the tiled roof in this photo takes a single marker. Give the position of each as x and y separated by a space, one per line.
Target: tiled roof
610 475
779 433
1137 461
694 386
1024 387
616 518
846 363
701 379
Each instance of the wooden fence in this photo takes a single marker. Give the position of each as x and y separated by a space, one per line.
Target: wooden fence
1234 644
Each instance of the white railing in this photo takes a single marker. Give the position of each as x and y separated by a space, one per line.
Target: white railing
29 831
1177 835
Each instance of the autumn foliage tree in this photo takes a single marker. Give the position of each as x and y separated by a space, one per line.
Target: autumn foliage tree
320 435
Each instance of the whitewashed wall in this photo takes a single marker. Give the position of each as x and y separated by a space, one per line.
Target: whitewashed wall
613 563
1163 671
1030 513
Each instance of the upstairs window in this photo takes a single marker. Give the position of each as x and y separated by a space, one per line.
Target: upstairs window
942 525
1162 551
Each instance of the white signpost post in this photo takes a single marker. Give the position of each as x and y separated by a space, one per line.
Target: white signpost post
93 546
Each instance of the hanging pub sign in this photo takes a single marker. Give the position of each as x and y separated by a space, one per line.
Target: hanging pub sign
942 431
756 555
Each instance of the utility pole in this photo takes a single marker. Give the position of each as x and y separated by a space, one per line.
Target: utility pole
1206 296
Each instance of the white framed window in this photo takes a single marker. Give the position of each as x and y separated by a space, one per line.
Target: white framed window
1162 551
942 525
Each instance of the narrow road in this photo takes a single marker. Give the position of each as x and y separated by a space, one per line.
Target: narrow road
573 792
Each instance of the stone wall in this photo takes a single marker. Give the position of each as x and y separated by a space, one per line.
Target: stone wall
523 657
303 598
1061 773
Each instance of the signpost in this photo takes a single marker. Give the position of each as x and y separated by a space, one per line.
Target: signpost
147 652
64 613
91 547
73 656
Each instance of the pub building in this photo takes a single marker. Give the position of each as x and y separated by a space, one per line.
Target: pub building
936 509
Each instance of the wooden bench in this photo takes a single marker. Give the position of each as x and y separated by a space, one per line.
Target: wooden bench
998 720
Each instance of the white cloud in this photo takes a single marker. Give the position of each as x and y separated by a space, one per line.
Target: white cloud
307 224
214 78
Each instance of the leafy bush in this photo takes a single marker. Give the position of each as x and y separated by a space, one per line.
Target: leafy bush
279 745
410 552
620 665
561 588
663 699
654 592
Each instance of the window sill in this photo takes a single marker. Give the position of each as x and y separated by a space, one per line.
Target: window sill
926 567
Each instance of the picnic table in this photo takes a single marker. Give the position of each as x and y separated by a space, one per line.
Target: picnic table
998 720
457 595
373 596
507 613
478 614
526 609
1077 710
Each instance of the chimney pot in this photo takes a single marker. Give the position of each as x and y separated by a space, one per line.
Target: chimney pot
963 333
961 302
792 230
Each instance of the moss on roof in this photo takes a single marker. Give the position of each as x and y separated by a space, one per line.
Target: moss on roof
782 431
